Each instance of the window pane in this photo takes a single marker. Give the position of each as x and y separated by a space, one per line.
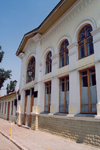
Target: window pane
88 32
84 90
67 92
90 49
92 70
84 73
62 49
81 37
93 108
46 96
62 61
61 93
81 51
66 108
46 109
47 68
50 66
67 58
62 108
93 91
85 108
89 39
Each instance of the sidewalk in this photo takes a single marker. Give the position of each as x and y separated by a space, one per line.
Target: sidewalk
37 140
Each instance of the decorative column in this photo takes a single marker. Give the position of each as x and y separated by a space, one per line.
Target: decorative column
37 85
54 87
96 43
20 104
74 94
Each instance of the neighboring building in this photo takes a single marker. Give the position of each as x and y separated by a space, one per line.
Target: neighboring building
8 107
60 72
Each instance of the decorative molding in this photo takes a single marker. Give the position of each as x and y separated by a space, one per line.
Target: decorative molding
36 38
95 31
21 55
72 45
55 56
71 13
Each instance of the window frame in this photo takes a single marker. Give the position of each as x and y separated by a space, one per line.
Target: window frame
85 42
49 62
89 100
63 52
64 94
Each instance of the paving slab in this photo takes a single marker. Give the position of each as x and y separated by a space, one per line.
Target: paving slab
37 140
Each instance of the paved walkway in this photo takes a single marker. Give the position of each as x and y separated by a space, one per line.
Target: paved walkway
37 140
5 144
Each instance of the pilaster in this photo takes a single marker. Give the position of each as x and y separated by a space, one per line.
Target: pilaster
74 94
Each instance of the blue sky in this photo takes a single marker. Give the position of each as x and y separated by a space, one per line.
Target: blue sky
18 17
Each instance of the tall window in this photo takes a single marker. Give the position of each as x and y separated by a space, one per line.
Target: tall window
85 42
47 96
64 58
48 63
12 108
64 94
31 66
5 106
88 91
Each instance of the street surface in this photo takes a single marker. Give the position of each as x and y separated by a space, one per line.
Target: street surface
37 140
6 144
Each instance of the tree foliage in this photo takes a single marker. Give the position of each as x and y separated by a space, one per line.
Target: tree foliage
10 87
4 75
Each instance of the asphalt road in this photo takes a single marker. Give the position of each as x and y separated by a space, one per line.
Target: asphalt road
6 144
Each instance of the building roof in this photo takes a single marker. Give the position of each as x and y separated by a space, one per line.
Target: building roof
12 94
54 15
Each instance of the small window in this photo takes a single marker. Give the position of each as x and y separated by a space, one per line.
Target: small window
48 63
85 42
64 58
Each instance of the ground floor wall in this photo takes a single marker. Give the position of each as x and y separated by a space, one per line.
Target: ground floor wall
82 130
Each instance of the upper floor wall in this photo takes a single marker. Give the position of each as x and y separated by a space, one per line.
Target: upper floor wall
66 28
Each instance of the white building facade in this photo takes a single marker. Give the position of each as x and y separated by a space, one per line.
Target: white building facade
64 58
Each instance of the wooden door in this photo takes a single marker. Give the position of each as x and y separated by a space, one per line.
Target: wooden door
8 110
32 103
25 109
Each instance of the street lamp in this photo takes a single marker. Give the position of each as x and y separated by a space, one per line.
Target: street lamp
15 82
29 72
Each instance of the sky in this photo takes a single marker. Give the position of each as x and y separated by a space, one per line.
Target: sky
18 17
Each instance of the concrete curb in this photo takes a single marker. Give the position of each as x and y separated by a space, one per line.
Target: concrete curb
13 141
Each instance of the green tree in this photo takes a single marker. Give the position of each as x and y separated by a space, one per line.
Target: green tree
10 87
4 75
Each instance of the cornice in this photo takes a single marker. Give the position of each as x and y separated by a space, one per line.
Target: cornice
71 13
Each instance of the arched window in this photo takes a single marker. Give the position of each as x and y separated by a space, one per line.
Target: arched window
48 62
85 42
31 67
64 58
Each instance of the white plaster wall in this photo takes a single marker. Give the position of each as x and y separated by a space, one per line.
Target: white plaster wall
67 27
